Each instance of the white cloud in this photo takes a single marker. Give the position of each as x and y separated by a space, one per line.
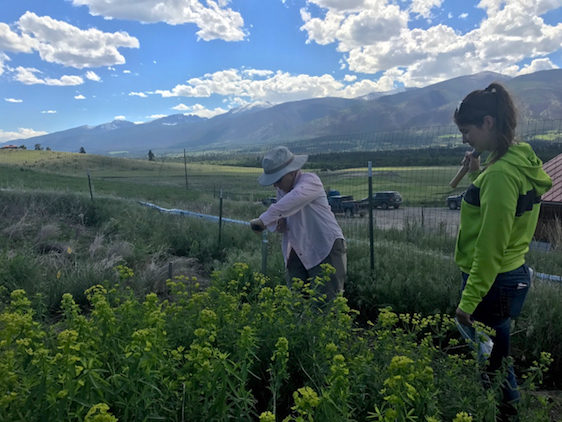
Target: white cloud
280 87
92 76
13 100
214 20
343 5
27 76
59 42
119 118
181 107
11 41
321 31
22 133
126 71
370 27
535 66
254 72
49 112
156 116
449 15
138 94
3 59
511 32
201 111
79 97
423 7
463 16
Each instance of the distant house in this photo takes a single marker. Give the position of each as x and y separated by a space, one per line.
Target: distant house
550 219
9 147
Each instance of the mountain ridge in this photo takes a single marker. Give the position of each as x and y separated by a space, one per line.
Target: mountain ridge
538 96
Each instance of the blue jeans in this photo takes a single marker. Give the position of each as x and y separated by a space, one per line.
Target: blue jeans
503 301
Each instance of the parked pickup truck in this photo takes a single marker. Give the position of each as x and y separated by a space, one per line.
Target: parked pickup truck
344 204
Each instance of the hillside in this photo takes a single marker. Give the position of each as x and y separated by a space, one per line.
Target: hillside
538 95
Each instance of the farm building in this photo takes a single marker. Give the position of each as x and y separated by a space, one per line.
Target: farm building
550 220
9 147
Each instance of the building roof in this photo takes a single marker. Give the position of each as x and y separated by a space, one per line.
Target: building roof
554 169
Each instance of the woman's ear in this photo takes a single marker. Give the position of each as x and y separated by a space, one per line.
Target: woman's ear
489 122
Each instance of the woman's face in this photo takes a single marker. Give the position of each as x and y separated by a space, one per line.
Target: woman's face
479 138
286 182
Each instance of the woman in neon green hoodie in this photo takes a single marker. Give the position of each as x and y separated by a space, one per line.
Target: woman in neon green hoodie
499 215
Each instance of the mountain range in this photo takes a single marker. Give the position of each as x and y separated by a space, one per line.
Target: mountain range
538 96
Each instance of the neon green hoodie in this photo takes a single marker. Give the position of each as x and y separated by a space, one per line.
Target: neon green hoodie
499 215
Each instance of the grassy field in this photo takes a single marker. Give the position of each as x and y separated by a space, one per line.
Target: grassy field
418 185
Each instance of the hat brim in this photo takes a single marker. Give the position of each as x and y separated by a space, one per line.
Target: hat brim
296 164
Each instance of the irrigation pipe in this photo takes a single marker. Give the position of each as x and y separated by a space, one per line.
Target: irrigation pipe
214 218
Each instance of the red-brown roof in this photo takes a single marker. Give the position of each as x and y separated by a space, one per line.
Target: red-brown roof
554 169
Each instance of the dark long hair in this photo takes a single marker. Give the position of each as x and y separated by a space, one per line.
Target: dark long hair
493 101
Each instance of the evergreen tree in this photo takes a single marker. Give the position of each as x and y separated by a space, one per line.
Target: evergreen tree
82 150
151 156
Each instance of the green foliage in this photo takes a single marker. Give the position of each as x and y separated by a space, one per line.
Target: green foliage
238 350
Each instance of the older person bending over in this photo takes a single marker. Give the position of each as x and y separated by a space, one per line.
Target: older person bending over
311 234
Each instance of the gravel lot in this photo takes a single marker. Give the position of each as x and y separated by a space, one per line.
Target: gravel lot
431 218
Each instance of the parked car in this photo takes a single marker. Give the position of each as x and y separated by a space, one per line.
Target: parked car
344 204
268 201
384 200
454 201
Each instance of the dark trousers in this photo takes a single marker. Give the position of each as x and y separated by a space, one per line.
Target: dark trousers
337 259
503 301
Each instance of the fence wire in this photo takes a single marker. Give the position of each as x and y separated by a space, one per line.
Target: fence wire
417 164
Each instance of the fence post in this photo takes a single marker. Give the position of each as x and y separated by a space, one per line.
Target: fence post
90 185
185 166
220 219
371 234
264 243
170 270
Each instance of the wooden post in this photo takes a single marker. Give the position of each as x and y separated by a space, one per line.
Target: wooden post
90 185
185 166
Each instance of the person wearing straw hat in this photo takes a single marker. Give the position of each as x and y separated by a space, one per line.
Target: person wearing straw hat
311 234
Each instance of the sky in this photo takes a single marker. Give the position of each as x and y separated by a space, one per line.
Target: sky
68 63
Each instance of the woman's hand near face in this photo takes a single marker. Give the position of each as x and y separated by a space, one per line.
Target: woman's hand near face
472 162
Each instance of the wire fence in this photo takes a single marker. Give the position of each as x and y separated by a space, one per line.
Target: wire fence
411 171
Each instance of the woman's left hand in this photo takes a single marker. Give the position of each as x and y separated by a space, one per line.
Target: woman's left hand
464 318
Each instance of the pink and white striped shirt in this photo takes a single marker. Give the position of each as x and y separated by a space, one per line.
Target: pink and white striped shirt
311 227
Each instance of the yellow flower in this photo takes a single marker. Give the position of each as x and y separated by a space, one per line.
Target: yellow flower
58 274
462 417
267 417
69 250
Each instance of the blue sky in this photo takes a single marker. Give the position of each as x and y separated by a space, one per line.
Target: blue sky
67 63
